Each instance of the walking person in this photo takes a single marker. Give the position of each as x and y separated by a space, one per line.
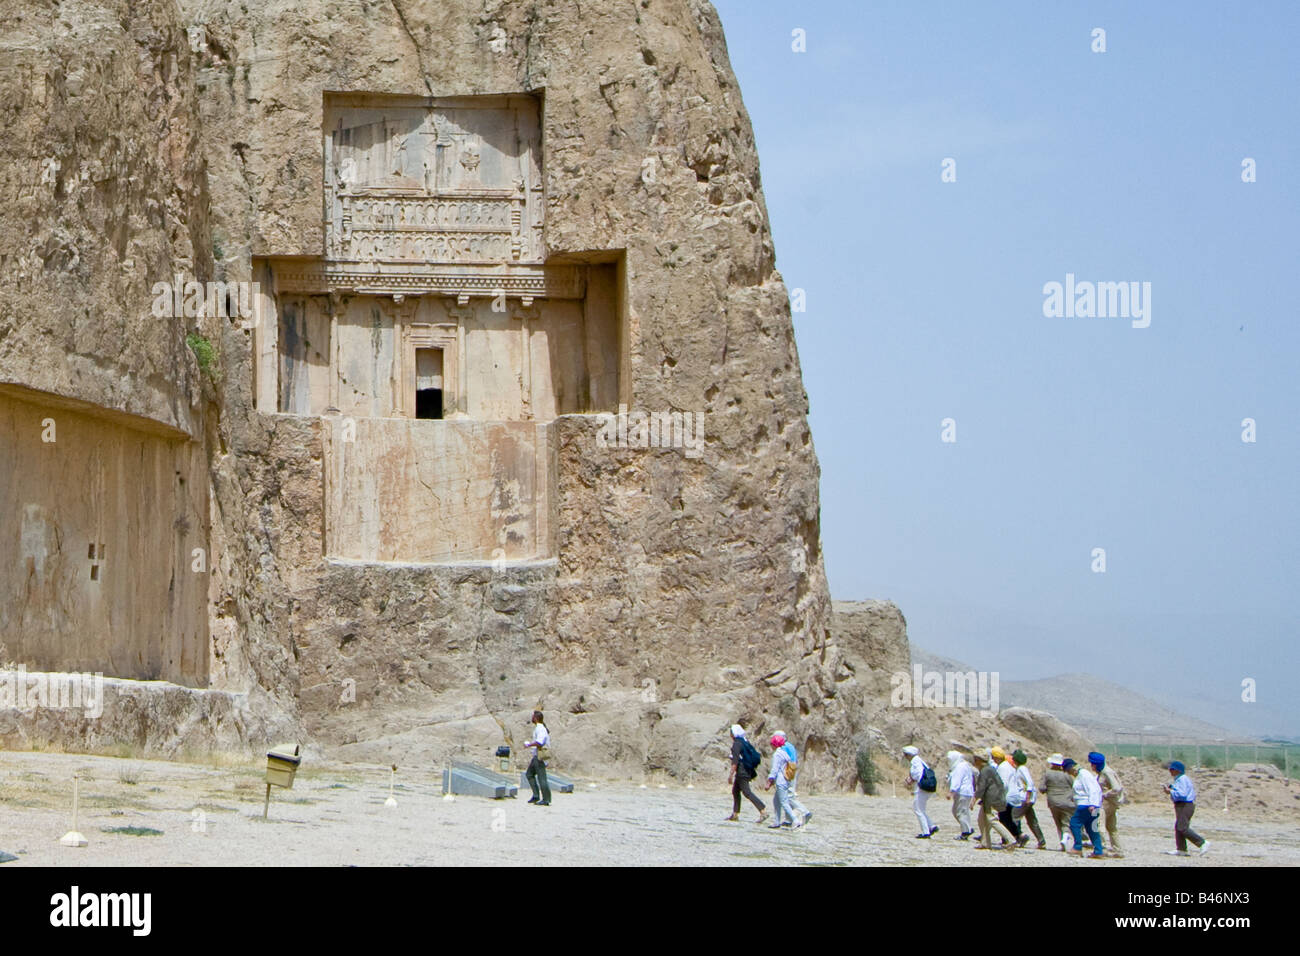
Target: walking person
992 797
1015 794
1112 795
1087 808
961 784
744 768
1060 796
1183 793
923 785
785 768
1026 809
536 773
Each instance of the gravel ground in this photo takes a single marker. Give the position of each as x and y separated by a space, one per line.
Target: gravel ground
211 816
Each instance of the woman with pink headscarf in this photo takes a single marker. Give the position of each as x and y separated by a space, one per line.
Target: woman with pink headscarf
785 767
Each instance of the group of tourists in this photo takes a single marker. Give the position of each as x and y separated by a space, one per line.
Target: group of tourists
1078 798
783 772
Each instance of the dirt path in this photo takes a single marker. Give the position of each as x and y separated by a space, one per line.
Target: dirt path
211 816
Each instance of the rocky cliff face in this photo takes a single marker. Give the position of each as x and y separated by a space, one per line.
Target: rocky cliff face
682 593
871 637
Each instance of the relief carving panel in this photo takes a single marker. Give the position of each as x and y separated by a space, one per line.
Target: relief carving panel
436 180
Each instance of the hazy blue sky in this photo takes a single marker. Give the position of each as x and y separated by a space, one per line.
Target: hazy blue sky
925 302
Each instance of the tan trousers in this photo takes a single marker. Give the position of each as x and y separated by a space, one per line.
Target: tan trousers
1061 817
1108 808
989 824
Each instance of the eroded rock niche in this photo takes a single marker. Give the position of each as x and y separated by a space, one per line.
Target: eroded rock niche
432 335
104 517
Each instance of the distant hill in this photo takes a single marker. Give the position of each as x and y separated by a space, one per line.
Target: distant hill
1095 706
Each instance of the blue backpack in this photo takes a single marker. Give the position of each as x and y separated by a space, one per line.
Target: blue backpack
927 781
750 758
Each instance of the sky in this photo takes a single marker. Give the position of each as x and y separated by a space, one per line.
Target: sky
925 301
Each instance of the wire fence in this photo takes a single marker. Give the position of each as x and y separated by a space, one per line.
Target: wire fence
1215 754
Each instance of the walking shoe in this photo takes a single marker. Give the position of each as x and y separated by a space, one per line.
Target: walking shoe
533 800
1097 856
1022 840
807 816
933 830
1176 853
964 836
923 836
762 815
734 818
787 825
543 803
1204 849
1042 844
774 826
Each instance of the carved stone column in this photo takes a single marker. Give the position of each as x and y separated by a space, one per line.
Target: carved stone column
335 303
403 373
460 312
526 313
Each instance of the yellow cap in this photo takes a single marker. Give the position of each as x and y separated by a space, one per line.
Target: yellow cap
999 754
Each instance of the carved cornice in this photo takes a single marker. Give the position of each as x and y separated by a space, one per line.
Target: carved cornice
321 277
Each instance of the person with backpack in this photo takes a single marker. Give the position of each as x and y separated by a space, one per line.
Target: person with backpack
923 785
992 797
1026 809
745 759
961 783
785 767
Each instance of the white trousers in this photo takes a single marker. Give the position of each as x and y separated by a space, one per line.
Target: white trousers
918 807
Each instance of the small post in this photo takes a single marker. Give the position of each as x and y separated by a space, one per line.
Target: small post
73 837
266 807
391 801
1142 745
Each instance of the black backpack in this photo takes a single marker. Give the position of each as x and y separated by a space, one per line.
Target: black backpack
750 758
927 781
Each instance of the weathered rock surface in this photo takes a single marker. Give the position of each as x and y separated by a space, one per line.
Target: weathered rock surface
136 718
871 636
682 593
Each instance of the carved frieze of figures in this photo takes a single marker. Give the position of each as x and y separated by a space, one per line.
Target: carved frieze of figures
454 180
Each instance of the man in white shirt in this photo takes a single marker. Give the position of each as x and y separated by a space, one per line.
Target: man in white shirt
537 766
1026 808
1087 808
961 783
916 771
1015 788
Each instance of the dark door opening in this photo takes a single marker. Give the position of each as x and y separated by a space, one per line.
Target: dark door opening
428 403
428 383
